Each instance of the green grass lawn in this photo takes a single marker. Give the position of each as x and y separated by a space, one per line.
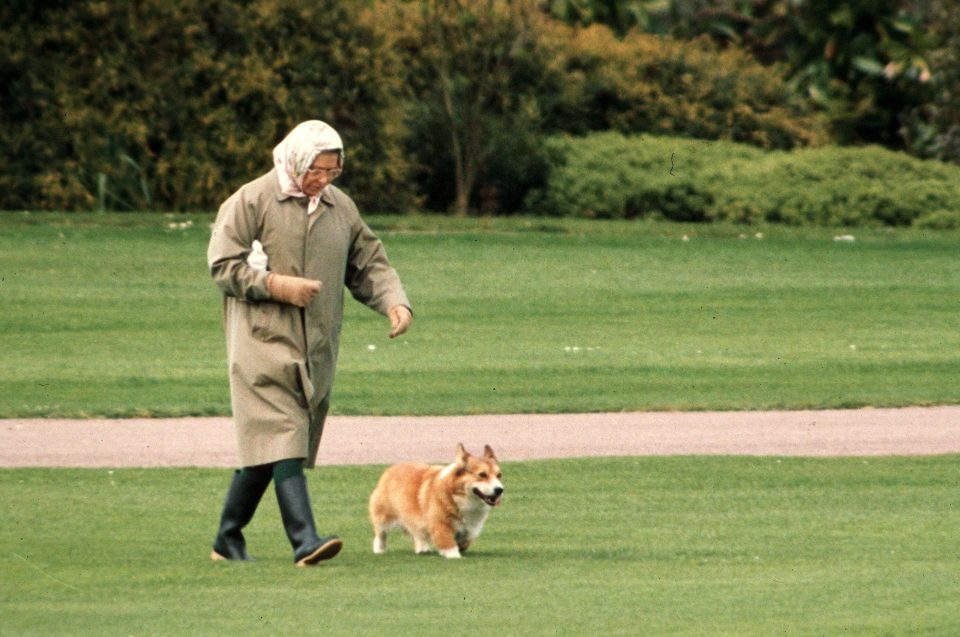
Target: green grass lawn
622 546
116 315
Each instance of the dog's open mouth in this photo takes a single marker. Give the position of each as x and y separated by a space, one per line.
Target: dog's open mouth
492 500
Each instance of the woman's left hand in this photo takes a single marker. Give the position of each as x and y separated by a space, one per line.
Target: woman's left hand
400 320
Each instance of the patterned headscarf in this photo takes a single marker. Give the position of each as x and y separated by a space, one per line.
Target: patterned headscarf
295 154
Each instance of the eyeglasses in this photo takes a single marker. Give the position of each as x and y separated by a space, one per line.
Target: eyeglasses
330 173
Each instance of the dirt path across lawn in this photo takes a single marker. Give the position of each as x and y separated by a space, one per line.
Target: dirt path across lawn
210 442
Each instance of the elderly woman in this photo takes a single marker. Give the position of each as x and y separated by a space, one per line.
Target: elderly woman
283 249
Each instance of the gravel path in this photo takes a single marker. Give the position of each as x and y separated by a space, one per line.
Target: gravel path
210 442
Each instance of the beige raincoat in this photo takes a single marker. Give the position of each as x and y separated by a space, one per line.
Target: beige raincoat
282 358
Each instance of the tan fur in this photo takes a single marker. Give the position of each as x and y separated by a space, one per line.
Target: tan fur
441 506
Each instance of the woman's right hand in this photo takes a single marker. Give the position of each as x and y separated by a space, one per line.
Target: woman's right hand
294 290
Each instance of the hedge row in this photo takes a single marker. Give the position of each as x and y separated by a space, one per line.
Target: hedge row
609 175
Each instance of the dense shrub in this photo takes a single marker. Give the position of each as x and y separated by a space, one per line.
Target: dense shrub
651 84
609 175
133 105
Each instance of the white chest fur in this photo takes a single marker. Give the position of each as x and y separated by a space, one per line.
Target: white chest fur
473 513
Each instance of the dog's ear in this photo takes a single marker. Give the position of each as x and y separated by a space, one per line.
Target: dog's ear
488 453
461 461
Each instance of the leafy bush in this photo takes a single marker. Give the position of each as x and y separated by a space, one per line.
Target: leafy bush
861 61
609 175
175 104
650 84
542 76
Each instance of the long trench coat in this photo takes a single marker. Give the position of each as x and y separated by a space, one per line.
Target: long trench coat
282 358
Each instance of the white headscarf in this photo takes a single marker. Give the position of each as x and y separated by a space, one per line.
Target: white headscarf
295 154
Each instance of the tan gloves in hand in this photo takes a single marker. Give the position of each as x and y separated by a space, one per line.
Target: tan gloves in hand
298 291
292 289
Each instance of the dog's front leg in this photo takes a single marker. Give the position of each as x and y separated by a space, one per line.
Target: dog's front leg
421 545
445 541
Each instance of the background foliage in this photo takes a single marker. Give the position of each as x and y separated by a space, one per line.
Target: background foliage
475 71
690 180
860 61
932 128
171 105
647 83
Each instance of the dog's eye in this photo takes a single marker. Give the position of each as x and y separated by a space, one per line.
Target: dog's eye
499 475
483 475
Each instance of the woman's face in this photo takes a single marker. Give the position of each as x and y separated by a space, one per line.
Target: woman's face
325 168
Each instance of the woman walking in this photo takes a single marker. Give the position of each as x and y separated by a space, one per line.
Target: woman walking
283 250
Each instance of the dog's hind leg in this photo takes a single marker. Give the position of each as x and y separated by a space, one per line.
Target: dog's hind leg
381 526
379 540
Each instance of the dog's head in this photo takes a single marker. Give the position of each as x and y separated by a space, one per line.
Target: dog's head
479 475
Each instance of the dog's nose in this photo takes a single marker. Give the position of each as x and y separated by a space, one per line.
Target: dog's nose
497 491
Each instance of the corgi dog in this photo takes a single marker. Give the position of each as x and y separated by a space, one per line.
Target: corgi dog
440 506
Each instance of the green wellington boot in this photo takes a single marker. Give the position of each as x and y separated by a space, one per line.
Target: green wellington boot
244 495
294 501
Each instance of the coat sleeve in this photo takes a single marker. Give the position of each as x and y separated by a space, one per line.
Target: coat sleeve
231 243
370 278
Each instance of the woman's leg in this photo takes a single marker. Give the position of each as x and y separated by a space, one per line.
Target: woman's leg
243 496
291 488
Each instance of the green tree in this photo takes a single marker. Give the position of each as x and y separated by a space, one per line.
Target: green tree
474 69
862 61
932 129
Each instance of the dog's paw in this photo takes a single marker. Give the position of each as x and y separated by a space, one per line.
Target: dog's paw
421 547
379 546
451 554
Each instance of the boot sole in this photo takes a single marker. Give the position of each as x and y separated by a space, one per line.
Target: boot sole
217 557
325 552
